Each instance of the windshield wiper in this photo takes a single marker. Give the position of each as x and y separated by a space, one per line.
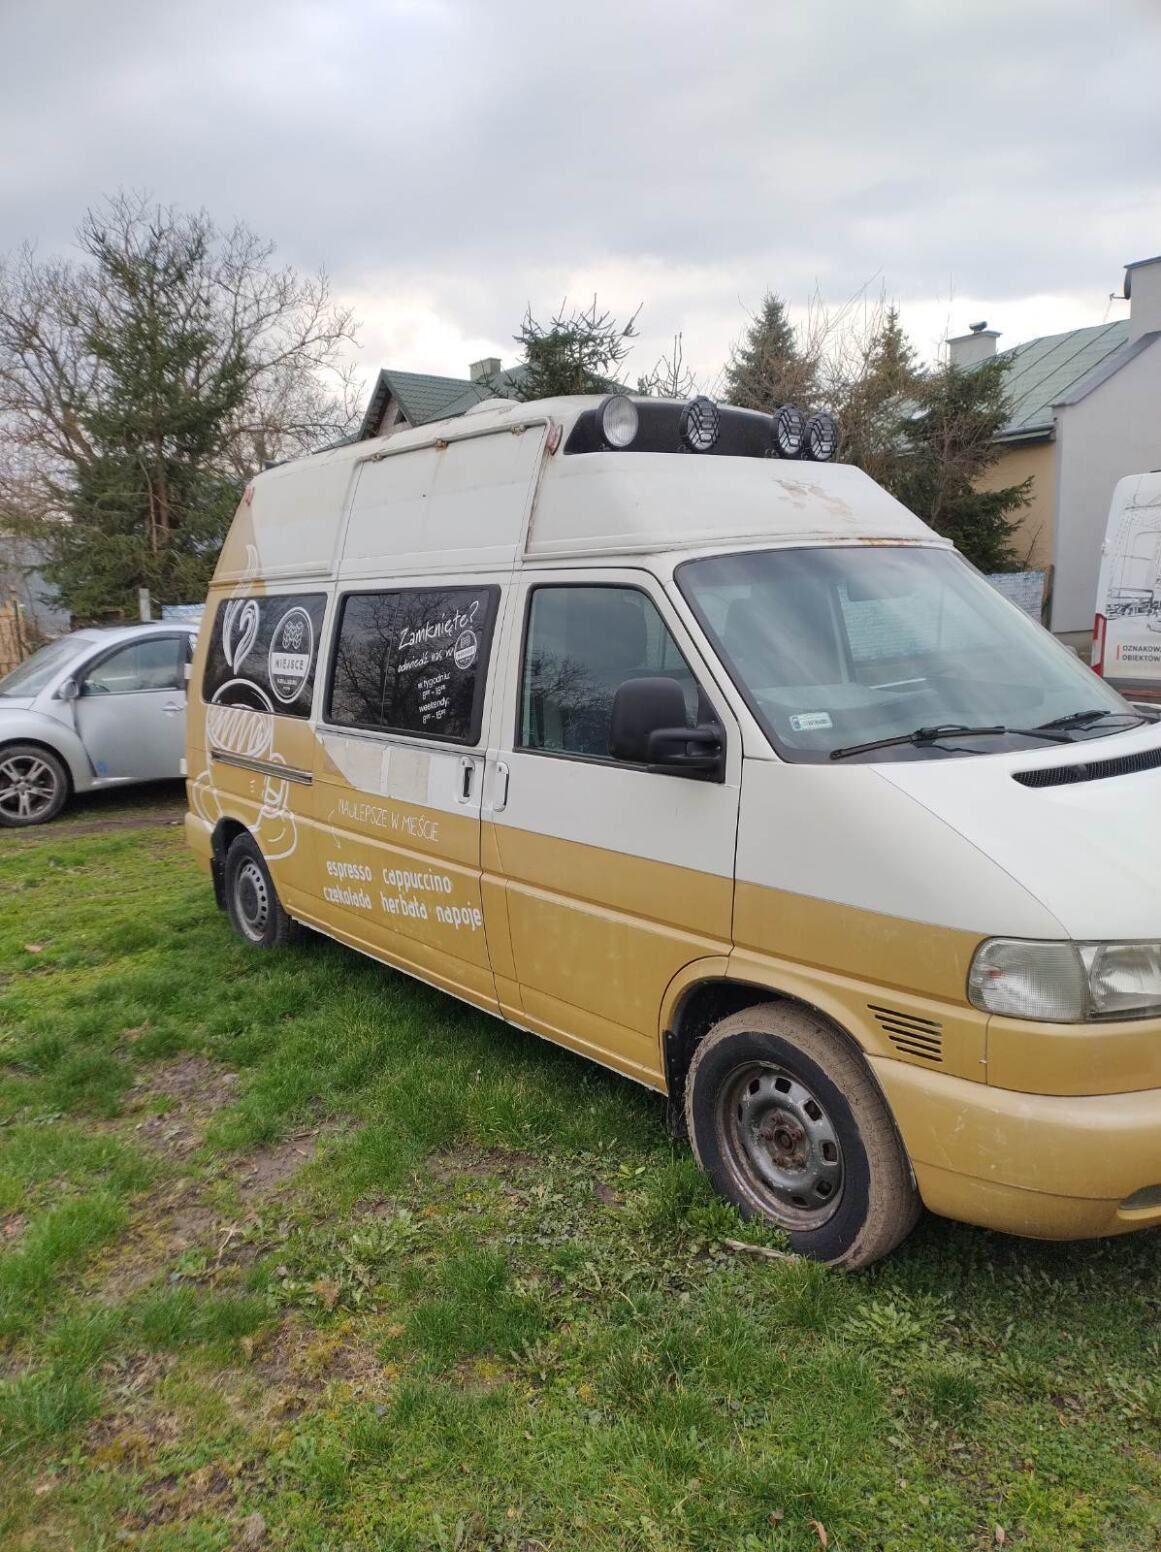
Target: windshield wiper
1085 718
929 735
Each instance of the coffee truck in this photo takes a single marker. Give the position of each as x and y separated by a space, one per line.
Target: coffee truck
652 730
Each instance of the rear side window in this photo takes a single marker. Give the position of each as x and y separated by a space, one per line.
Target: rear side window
263 653
414 661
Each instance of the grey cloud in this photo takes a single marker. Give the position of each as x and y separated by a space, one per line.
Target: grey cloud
1005 149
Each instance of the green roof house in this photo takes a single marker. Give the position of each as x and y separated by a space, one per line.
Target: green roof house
1086 410
413 398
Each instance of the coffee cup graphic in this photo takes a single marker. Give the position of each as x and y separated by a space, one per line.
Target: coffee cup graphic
240 722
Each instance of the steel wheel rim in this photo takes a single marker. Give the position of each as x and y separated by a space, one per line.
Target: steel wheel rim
780 1146
28 787
252 899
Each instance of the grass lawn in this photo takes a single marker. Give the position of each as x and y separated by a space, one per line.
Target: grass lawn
295 1253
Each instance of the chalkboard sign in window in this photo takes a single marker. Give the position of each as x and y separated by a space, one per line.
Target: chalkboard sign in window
414 661
263 652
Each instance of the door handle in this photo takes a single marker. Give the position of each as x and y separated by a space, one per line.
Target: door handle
467 775
500 787
171 708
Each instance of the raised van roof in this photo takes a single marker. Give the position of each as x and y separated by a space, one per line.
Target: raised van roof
479 491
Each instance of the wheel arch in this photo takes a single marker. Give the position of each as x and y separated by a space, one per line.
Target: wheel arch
704 1002
225 833
66 757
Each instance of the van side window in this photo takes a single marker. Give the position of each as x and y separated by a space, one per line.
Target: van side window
263 653
580 645
414 661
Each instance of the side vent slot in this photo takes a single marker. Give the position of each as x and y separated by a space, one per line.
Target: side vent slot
910 1034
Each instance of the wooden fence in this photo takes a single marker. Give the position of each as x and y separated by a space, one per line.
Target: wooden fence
14 644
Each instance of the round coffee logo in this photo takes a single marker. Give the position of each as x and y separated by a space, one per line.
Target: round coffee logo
291 651
465 649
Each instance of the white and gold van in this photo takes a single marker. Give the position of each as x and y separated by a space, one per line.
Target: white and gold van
645 728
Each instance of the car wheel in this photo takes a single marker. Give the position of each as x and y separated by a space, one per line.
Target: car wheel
252 904
33 785
788 1123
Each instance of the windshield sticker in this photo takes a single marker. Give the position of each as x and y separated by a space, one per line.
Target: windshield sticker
810 721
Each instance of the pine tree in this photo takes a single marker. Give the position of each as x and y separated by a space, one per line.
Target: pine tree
767 367
148 508
945 440
578 352
870 404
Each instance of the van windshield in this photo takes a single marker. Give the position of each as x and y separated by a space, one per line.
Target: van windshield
833 648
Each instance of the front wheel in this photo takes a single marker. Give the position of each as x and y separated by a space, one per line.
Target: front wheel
33 785
256 913
789 1125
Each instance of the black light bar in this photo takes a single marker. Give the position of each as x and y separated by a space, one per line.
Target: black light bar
701 428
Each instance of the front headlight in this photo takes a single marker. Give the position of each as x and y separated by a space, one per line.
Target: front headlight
1066 983
1123 978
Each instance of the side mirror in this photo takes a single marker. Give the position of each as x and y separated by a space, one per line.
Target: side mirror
648 727
69 690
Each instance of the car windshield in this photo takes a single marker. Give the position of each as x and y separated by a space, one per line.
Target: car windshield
836 647
31 676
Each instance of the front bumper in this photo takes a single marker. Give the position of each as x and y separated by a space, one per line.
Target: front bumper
1047 1166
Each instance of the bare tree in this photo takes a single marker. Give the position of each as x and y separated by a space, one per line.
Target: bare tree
670 377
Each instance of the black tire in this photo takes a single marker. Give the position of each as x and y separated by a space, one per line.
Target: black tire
252 904
790 1126
34 785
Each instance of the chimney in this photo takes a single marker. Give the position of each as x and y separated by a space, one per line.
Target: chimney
481 371
1143 294
976 345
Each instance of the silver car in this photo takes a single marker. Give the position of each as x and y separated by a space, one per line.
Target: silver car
98 708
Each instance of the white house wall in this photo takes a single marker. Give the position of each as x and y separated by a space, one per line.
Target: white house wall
1114 431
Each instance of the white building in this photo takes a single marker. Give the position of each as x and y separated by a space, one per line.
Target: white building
1086 410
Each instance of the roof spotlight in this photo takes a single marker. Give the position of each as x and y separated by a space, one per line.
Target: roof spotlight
617 418
700 424
820 441
789 425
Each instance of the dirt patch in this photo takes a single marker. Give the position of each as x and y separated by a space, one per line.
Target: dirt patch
134 1425
119 822
478 1163
175 1220
295 1363
261 1173
164 1229
11 1228
138 1428
197 1089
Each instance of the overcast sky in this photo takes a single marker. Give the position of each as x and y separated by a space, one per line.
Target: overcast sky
449 161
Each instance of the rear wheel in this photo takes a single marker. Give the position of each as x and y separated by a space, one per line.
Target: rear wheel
252 904
33 785
788 1123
